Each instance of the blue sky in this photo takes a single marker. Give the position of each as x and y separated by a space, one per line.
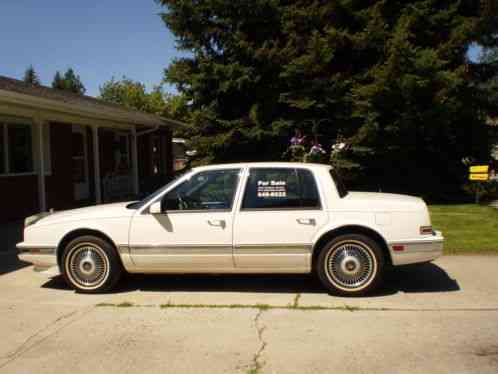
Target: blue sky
98 38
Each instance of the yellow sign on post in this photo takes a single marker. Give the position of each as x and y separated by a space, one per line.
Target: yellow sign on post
478 177
479 169
479 173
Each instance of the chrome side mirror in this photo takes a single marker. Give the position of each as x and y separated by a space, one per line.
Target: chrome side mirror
155 208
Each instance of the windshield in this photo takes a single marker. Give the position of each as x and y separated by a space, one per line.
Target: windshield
152 196
341 187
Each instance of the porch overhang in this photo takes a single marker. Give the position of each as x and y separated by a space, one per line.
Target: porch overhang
80 112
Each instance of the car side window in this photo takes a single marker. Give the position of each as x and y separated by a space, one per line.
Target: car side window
280 188
206 190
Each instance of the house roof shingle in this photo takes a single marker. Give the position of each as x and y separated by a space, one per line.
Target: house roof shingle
81 101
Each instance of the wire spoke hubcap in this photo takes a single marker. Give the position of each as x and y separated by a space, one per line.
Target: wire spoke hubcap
87 266
350 265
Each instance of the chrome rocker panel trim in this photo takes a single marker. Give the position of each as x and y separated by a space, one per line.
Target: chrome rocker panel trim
271 258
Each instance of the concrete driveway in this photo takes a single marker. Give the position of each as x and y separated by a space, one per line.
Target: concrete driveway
438 318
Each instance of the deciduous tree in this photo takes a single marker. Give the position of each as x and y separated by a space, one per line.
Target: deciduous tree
133 94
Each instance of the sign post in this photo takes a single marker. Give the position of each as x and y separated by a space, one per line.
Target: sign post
479 173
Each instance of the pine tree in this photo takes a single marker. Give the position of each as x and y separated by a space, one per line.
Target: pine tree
69 82
58 81
391 77
73 82
31 77
489 62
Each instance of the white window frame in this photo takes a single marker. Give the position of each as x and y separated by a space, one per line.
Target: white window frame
35 153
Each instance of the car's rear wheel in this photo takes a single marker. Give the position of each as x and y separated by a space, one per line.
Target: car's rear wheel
350 265
91 265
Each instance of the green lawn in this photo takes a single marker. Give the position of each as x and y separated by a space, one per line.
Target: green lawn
467 228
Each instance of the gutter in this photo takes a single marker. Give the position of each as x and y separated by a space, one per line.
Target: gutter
154 129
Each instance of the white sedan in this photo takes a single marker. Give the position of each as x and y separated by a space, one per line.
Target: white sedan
238 218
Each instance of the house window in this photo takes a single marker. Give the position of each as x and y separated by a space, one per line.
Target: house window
16 149
123 146
2 151
79 157
20 149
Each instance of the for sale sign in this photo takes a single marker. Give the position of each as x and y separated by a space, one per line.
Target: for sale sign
479 173
479 169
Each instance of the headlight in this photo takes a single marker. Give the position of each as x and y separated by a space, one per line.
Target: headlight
31 220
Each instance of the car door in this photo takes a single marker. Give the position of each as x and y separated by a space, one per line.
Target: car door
279 214
193 232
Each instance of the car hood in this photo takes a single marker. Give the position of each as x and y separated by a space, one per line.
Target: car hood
383 201
114 210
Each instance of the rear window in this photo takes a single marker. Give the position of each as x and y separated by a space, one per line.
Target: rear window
341 187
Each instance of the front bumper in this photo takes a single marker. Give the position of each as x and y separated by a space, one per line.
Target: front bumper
417 250
42 257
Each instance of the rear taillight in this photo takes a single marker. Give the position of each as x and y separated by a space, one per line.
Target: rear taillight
426 230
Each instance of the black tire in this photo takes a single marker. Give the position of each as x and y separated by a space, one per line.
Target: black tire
91 265
350 265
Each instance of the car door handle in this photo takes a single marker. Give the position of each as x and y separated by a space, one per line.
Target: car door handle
306 221
217 222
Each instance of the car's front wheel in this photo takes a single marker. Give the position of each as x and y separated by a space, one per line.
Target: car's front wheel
350 265
91 265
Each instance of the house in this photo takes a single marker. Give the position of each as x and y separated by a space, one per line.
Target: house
181 153
59 150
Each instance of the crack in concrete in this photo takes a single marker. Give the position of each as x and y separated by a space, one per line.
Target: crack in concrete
295 304
24 347
257 364
488 351
32 336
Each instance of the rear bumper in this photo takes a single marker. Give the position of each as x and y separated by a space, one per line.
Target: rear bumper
417 250
42 257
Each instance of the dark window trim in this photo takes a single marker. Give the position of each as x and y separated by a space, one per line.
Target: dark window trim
341 189
295 169
280 209
168 212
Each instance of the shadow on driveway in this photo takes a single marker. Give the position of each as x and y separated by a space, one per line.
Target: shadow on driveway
10 235
9 262
421 278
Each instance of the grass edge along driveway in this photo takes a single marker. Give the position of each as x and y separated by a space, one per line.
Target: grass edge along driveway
467 228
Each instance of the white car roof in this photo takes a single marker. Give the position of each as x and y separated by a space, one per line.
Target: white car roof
264 165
